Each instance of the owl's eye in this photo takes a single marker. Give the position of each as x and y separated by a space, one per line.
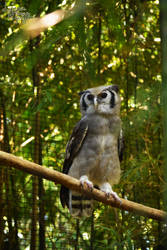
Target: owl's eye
103 95
90 97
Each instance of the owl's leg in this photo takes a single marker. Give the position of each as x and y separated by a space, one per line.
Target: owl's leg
85 181
107 189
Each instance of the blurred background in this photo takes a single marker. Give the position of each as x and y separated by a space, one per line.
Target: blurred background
97 43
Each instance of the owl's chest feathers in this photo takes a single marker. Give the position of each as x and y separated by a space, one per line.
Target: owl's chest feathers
103 132
100 151
98 156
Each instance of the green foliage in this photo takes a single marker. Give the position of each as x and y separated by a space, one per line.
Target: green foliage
106 42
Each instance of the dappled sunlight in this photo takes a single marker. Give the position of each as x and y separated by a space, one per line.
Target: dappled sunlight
35 26
50 51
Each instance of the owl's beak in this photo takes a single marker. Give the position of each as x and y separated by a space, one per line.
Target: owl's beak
95 102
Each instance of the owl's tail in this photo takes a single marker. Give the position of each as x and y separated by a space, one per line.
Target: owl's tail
80 205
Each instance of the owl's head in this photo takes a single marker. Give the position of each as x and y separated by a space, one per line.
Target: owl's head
101 100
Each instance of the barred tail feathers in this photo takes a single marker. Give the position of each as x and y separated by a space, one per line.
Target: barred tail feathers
80 205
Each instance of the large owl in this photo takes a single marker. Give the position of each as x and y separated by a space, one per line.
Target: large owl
92 153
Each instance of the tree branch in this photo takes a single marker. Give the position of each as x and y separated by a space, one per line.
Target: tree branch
72 183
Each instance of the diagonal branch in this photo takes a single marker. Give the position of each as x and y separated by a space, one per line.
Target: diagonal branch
72 183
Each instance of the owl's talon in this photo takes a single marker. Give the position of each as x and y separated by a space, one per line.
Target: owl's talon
107 189
114 196
108 195
86 183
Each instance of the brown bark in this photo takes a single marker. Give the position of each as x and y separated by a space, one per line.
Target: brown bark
34 216
7 192
2 224
72 183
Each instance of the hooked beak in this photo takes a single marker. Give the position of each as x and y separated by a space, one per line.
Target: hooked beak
95 102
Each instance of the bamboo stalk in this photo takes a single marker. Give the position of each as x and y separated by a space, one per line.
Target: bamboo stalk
72 183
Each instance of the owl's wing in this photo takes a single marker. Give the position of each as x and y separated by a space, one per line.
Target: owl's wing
74 145
121 145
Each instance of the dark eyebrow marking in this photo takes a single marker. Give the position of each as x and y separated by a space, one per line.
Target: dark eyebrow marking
84 105
112 101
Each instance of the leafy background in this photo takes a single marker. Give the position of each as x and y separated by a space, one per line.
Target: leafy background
104 42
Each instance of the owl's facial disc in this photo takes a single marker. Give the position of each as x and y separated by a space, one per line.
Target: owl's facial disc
90 97
87 102
102 100
106 97
102 96
106 101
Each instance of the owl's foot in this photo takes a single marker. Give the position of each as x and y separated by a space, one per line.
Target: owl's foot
107 189
85 182
114 195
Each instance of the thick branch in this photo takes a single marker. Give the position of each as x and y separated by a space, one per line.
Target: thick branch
72 183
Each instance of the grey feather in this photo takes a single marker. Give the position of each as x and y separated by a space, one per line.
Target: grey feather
73 147
121 143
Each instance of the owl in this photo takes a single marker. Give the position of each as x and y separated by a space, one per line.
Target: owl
94 148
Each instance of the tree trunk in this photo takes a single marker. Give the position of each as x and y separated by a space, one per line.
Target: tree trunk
92 238
34 218
38 189
163 25
163 31
99 43
2 224
10 195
